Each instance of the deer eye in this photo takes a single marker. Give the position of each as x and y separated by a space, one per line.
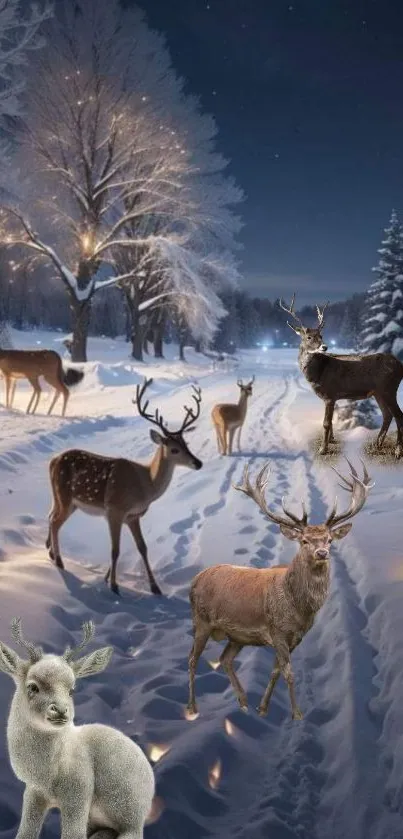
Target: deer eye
32 688
305 541
174 451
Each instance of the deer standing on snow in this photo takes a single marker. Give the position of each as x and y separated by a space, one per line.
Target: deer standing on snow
119 489
33 364
100 780
270 606
230 417
355 376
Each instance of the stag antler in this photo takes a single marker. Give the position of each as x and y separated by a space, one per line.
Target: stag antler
257 494
191 415
321 314
291 311
35 653
359 489
156 418
88 629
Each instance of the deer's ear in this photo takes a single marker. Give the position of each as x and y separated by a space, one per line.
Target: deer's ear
9 660
156 437
92 663
341 532
290 532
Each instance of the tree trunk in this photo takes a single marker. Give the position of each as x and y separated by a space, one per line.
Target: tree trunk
198 346
158 337
81 311
182 349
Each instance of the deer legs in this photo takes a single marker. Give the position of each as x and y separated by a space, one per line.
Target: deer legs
134 527
226 660
274 677
201 636
115 528
327 426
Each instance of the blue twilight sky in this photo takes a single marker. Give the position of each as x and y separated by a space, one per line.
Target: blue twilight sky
308 96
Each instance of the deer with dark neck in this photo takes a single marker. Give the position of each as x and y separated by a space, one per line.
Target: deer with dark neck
356 376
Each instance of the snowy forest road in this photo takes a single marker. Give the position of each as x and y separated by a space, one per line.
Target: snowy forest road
336 773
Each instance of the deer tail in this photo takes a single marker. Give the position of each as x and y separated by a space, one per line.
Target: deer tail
72 377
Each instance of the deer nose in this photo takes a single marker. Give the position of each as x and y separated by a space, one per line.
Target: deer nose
58 711
321 553
324 347
197 464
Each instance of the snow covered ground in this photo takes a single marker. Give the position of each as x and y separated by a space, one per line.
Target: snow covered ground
336 774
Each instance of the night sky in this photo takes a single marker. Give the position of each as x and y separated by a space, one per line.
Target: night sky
308 96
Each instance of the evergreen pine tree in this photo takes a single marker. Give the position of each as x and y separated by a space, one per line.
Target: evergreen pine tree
382 322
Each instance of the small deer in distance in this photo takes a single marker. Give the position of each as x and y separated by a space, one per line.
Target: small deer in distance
100 780
270 606
119 489
31 365
355 376
230 417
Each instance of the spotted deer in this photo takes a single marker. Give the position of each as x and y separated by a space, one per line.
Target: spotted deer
356 376
121 490
228 418
274 606
32 365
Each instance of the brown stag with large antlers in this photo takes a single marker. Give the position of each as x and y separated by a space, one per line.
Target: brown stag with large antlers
354 376
228 418
275 606
119 489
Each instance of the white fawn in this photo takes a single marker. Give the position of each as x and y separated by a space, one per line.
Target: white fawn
270 606
100 780
121 490
230 417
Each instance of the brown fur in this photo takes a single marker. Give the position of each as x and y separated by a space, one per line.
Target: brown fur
356 376
119 489
261 607
229 417
31 365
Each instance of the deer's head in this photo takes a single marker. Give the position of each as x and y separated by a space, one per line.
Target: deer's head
173 443
45 683
311 337
314 540
246 389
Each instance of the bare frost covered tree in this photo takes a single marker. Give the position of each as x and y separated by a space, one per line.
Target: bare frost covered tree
19 35
102 147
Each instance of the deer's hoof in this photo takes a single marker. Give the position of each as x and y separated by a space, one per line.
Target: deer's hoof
323 450
155 589
191 709
262 711
243 705
297 715
115 589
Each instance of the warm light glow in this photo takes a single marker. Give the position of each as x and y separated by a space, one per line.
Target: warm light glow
229 728
214 774
156 810
87 242
214 664
189 716
157 751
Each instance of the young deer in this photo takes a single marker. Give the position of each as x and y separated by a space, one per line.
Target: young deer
354 376
100 780
31 364
230 417
119 489
270 606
